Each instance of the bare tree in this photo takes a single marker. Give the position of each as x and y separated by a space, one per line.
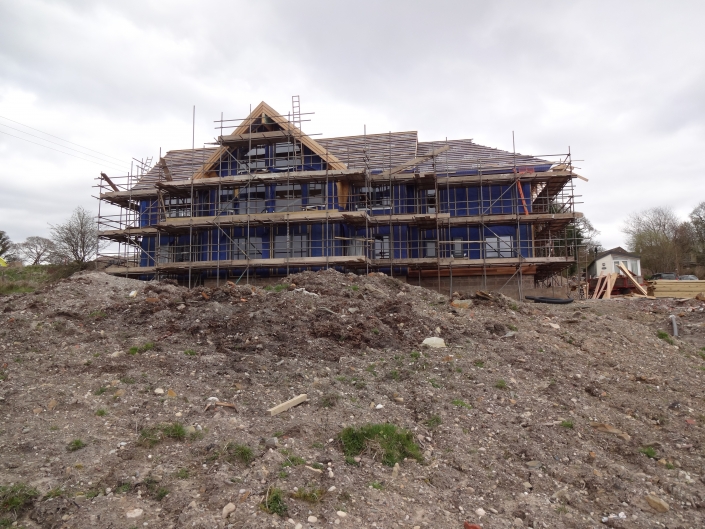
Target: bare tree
77 239
5 244
36 250
659 237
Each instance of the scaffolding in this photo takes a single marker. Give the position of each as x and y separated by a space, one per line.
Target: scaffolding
262 201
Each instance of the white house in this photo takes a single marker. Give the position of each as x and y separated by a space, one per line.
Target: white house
606 262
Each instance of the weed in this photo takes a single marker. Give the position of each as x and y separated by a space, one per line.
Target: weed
98 315
371 369
127 380
514 307
54 493
74 445
350 460
190 352
501 384
567 424
312 495
663 335
415 355
375 330
561 509
317 445
293 461
96 355
161 493
283 474
433 382
278 434
376 485
100 412
273 502
479 363
394 443
100 390
649 451
670 466
512 327
354 288
123 488
276 288
318 466
142 349
394 375
156 434
329 400
93 493
16 498
238 452
182 473
434 422
344 496
459 403
54 428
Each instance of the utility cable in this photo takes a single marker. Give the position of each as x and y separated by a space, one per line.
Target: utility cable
51 148
58 138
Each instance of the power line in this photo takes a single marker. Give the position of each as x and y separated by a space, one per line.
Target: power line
58 138
54 143
57 150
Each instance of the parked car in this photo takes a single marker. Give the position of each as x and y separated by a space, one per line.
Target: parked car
689 277
665 275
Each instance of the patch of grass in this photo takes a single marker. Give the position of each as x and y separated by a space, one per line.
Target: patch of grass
74 445
53 428
393 375
238 452
273 502
501 384
123 488
329 400
190 352
390 442
54 493
375 330
278 434
293 461
461 404
312 495
156 434
161 493
141 349
479 363
93 493
182 473
670 466
350 460
663 335
561 509
567 424
127 380
317 445
649 451
514 307
434 422
100 412
433 382
354 288
97 315
415 355
16 498
376 485
512 327
276 288
100 390
371 369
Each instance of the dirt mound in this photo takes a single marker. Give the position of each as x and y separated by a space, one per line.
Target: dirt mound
128 403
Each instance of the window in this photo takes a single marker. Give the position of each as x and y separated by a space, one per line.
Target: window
458 247
316 197
298 246
252 199
377 198
356 247
382 247
430 196
227 203
429 249
178 207
288 197
499 246
240 248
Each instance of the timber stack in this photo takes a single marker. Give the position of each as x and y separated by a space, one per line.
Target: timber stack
668 288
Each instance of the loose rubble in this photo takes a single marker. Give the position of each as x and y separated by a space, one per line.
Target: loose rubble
129 403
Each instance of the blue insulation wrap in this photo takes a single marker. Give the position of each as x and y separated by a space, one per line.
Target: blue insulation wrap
485 200
148 253
148 212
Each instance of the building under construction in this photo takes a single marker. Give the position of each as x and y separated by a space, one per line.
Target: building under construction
268 200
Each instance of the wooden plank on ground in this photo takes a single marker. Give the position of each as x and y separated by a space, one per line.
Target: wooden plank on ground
632 279
597 287
279 408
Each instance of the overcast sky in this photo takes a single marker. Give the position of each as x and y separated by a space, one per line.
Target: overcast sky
620 83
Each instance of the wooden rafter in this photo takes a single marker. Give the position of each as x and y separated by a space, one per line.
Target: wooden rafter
415 161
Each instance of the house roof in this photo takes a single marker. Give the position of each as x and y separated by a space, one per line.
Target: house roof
376 152
617 250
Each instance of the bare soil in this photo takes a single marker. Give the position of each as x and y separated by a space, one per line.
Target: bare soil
531 416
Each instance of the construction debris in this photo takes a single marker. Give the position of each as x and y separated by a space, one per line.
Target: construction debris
666 288
279 408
